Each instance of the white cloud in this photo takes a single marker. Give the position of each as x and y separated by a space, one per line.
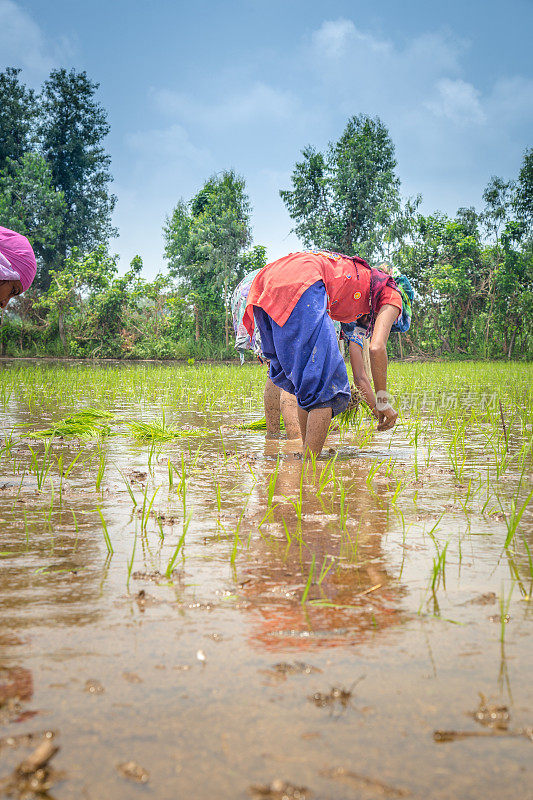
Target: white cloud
333 37
22 43
458 101
511 101
167 146
259 102
372 74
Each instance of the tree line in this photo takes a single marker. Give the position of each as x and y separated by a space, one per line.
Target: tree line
472 273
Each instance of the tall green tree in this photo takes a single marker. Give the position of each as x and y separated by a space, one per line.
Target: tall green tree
18 117
205 242
348 198
523 199
72 129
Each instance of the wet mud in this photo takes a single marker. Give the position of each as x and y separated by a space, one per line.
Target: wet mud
209 617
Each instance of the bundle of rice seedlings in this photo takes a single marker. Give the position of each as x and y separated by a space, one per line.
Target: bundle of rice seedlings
258 425
347 416
158 430
90 423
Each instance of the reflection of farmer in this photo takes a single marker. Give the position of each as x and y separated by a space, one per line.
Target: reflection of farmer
353 599
17 265
293 301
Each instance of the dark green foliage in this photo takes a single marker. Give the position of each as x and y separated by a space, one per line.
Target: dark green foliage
72 128
348 199
523 199
54 171
205 243
472 274
18 115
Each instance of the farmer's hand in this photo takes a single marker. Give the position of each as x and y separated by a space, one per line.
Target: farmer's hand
387 418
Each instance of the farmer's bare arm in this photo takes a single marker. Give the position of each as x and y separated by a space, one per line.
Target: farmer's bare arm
361 378
378 362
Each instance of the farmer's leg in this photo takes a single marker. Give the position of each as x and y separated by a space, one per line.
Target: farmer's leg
289 411
307 350
305 360
271 397
275 372
314 426
318 422
302 421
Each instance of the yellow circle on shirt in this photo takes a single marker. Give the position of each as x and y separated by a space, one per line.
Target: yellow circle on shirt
357 295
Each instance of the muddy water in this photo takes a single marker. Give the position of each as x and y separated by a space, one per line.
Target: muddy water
218 681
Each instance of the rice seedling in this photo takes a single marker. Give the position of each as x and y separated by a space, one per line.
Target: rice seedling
370 476
258 425
107 539
272 484
75 547
236 539
456 451
343 508
399 486
102 463
504 603
147 507
348 415
327 476
439 566
157 430
128 488
89 423
223 445
309 581
8 445
179 547
130 562
40 470
515 514
18 490
325 568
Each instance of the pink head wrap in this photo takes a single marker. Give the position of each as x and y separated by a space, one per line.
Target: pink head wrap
17 259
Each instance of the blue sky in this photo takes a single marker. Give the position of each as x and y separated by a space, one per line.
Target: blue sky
198 87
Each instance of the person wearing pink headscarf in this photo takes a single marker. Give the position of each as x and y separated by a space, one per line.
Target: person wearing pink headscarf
17 265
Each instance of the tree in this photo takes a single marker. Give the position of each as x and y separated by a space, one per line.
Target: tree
348 199
72 128
88 302
523 200
204 245
18 114
29 204
444 262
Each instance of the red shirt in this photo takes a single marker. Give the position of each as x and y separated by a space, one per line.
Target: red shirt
279 286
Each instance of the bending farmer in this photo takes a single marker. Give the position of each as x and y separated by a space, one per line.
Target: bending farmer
293 301
277 401
17 265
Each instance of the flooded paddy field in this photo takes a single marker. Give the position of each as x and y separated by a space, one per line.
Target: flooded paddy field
186 610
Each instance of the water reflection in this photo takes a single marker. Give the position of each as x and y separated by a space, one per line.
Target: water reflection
327 552
52 575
